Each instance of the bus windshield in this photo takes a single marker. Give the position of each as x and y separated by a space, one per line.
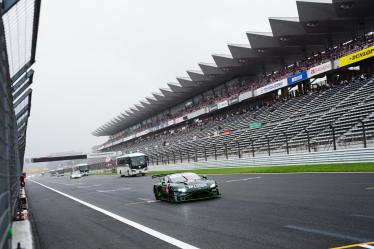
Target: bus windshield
138 161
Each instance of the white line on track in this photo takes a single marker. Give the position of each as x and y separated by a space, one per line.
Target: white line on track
150 231
90 186
147 200
367 246
112 190
326 233
363 216
140 202
245 179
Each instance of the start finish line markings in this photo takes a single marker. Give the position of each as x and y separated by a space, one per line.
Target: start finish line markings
368 245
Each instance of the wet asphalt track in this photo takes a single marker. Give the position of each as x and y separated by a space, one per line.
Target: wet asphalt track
298 211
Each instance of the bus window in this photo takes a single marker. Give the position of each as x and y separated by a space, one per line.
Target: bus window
123 161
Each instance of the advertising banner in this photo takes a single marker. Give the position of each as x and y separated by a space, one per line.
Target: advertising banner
170 122
233 100
178 120
297 78
245 95
271 87
212 108
222 104
325 67
196 113
336 64
356 57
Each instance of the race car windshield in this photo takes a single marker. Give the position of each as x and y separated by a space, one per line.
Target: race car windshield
184 177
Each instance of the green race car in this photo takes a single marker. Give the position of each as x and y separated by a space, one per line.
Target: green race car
182 187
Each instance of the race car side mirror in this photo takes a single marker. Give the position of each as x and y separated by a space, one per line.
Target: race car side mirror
204 177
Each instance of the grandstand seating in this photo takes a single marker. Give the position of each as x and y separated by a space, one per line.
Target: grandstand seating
343 106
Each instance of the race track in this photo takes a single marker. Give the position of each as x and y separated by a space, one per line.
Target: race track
256 211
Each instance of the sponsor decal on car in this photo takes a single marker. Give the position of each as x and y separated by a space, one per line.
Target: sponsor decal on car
199 185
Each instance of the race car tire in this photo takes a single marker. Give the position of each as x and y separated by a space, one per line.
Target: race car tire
172 197
156 193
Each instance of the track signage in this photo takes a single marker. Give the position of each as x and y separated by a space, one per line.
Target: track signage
255 125
271 87
356 57
327 66
297 78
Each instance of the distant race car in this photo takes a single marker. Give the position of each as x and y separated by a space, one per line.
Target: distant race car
76 175
182 187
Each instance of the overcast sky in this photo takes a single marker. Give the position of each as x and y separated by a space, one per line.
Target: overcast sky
97 58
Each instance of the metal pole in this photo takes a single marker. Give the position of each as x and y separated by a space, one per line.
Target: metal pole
287 149
268 141
363 133
333 136
195 155
174 157
188 156
215 152
253 148
156 159
167 156
307 134
180 154
226 152
206 158
239 155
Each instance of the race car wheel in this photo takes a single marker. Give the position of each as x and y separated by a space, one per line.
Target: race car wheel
172 197
157 194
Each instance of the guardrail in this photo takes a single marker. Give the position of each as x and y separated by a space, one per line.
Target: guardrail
322 157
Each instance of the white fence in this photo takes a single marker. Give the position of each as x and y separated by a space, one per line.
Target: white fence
322 157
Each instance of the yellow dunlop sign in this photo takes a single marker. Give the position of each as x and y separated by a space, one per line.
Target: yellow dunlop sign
358 56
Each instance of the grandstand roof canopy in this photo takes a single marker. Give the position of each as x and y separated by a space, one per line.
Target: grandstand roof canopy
20 20
320 24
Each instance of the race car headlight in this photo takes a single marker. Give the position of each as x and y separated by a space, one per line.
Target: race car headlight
213 185
183 190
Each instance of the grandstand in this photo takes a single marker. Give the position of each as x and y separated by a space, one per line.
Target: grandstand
306 86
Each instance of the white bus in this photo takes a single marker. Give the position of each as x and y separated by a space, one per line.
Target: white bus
132 164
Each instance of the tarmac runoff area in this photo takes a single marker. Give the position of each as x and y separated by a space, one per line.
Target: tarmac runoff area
298 211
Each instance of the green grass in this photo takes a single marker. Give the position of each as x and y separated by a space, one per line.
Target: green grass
348 167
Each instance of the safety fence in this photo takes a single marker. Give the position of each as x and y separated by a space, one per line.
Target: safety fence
10 165
323 157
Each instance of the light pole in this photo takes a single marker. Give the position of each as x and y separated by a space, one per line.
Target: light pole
226 152
239 155
285 135
363 133
308 137
253 148
333 135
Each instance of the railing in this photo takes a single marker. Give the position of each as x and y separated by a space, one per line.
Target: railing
332 157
